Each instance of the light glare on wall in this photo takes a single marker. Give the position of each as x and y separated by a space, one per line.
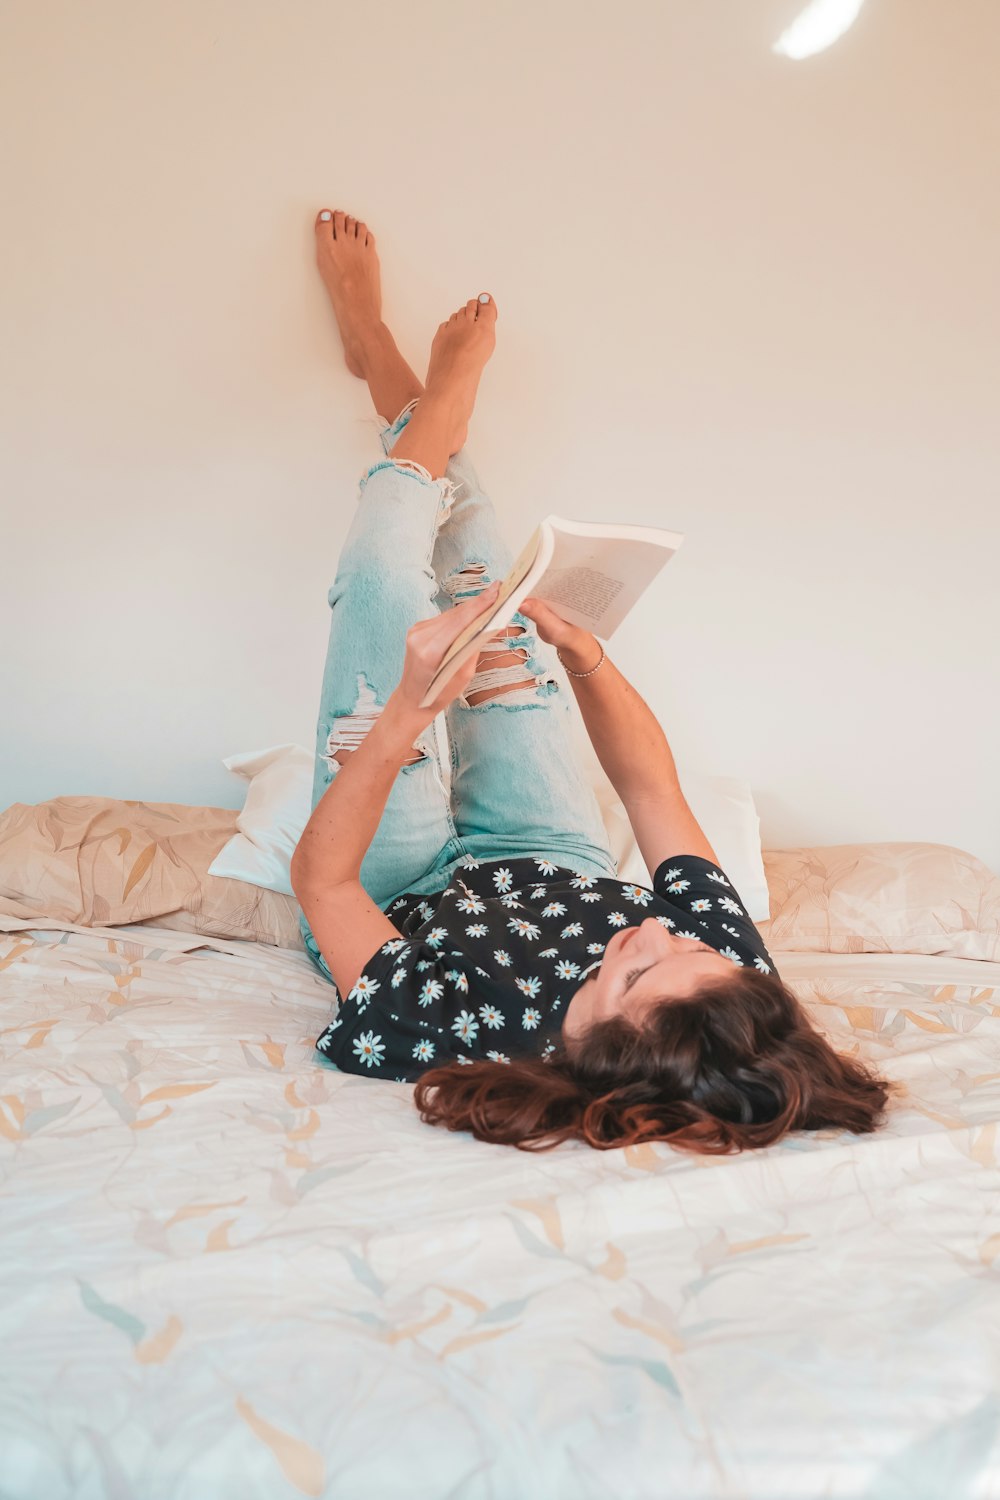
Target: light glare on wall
818 27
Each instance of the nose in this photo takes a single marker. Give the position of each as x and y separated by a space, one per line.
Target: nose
656 930
668 939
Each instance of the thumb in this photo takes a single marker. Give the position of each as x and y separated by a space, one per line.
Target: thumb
543 616
473 604
485 596
551 626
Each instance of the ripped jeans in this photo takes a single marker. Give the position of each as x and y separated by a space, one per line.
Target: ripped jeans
513 787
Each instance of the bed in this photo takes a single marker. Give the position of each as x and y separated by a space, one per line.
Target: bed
230 1271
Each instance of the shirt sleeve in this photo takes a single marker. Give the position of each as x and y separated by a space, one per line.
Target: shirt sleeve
411 1008
712 908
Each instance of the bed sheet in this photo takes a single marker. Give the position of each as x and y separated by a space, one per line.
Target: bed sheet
228 1270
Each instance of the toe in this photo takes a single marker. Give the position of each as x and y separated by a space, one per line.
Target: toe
324 221
363 234
485 307
339 231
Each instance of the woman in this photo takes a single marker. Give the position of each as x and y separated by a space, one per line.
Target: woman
477 936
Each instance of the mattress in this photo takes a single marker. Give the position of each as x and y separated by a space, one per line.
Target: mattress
228 1270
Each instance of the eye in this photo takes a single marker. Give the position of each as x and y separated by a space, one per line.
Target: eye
633 975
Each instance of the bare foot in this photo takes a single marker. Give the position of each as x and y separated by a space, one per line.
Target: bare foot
459 353
348 264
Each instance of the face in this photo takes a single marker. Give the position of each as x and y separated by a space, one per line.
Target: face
640 966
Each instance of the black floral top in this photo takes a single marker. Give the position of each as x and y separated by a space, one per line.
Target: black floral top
487 967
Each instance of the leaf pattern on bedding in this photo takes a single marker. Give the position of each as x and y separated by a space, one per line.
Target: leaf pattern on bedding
290 1264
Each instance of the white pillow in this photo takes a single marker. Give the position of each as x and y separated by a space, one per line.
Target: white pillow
277 808
723 806
279 802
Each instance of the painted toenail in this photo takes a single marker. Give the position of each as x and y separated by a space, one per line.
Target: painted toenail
484 296
326 214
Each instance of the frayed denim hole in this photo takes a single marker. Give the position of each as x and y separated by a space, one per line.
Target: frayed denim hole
407 466
524 689
348 730
468 580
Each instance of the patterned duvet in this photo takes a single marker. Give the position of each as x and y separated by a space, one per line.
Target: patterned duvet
227 1271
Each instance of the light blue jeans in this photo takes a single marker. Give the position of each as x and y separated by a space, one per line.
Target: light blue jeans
416 545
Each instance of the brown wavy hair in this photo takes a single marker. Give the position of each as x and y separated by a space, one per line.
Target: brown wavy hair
736 1065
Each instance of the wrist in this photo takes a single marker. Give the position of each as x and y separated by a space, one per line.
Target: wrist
582 653
401 724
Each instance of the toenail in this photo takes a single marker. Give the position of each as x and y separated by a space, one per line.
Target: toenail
326 214
484 296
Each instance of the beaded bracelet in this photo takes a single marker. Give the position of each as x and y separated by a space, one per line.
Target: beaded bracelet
581 674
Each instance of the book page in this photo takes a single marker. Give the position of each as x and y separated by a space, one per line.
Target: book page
583 589
591 575
593 580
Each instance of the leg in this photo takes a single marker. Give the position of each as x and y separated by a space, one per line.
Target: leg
516 787
377 595
349 265
520 783
390 380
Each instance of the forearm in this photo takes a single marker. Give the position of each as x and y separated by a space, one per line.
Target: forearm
338 834
625 733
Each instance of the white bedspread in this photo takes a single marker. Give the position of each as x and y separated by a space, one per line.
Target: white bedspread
229 1271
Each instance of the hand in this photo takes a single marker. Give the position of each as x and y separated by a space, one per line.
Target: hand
426 645
575 642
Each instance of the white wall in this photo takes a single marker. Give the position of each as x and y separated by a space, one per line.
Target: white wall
750 299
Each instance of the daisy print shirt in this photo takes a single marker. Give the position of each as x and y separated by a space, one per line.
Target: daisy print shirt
486 968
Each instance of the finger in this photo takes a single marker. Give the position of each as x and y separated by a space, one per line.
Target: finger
470 606
452 622
535 610
456 683
489 592
459 681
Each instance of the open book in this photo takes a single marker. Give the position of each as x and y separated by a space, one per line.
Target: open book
591 573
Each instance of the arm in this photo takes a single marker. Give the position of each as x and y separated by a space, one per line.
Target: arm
336 838
629 743
664 825
637 759
326 864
